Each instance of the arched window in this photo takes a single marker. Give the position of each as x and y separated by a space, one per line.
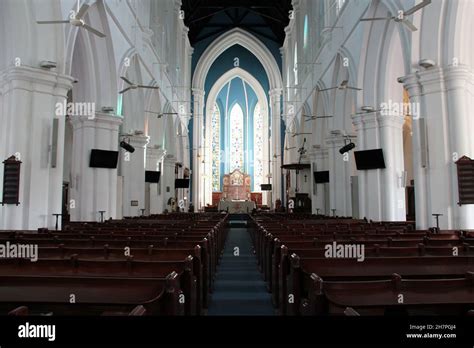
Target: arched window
216 148
258 146
305 32
236 138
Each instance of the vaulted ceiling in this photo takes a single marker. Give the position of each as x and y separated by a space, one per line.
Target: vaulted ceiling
266 19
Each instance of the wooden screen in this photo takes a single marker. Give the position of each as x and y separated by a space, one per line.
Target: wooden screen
465 167
237 186
11 181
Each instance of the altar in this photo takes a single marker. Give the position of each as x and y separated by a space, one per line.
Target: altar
236 194
237 207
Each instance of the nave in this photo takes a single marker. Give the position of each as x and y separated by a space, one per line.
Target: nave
205 166
202 264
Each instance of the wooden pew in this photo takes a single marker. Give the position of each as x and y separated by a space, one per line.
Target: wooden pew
395 295
93 295
106 268
371 269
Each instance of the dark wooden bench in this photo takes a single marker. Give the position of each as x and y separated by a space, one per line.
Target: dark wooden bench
117 268
93 295
295 274
390 296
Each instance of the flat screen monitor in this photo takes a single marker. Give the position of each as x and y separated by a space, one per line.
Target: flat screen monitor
370 159
266 187
181 183
321 177
152 177
103 159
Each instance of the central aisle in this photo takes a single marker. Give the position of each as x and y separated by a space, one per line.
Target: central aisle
239 287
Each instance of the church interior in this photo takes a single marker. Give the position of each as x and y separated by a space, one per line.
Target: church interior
307 158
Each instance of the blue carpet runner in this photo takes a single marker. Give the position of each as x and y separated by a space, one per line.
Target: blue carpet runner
239 287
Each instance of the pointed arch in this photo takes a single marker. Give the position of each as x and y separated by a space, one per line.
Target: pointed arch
240 37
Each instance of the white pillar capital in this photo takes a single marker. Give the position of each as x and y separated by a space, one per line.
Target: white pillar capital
364 121
275 95
35 80
391 120
198 94
154 152
98 120
138 140
335 140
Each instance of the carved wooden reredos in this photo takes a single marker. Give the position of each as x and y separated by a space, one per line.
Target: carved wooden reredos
237 185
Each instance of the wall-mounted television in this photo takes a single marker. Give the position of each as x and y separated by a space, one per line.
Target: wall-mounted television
321 177
152 177
266 187
370 159
181 183
103 159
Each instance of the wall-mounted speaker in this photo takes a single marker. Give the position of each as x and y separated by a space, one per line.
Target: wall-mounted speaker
54 143
423 142
404 179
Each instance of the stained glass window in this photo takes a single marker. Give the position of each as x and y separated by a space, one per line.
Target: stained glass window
258 147
295 64
305 32
216 148
236 138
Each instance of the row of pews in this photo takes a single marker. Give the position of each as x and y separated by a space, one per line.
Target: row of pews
148 266
403 272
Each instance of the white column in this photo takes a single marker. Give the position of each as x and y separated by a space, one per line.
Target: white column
339 178
420 173
153 157
370 181
460 89
319 160
392 189
28 106
275 112
440 195
167 180
93 189
381 193
198 138
133 171
445 100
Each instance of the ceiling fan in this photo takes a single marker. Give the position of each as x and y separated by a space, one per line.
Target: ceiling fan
300 134
366 110
401 17
314 117
161 114
134 86
343 86
76 20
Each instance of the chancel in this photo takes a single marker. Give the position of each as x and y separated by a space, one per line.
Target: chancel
271 157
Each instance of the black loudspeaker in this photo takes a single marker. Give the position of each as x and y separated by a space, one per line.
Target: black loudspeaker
181 183
321 177
127 147
103 159
370 159
347 148
152 177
